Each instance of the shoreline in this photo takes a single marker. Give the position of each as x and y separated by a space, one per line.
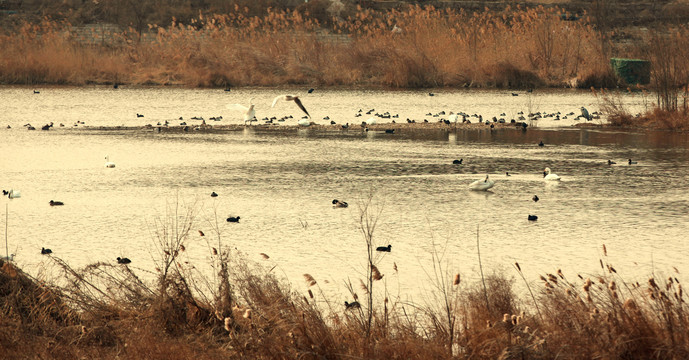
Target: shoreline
378 128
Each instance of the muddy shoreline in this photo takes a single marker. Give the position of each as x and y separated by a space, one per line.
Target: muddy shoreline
388 128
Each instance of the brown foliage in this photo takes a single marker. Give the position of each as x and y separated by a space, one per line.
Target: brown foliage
411 47
603 318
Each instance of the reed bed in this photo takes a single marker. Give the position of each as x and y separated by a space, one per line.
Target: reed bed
654 117
244 310
413 47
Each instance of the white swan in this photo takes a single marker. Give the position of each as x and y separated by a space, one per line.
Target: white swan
291 98
249 113
108 163
304 122
482 185
371 121
12 194
453 117
549 176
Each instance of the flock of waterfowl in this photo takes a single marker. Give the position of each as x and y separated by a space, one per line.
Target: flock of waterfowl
249 116
548 175
13 194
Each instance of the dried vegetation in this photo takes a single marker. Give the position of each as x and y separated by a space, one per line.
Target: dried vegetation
410 47
244 310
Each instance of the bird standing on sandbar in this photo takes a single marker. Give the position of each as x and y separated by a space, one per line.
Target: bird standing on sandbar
291 98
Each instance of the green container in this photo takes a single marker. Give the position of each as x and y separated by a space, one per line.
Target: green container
632 71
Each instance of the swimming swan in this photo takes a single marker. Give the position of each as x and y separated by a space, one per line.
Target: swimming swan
549 176
482 185
108 163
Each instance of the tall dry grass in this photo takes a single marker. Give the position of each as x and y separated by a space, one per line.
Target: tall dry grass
668 50
584 316
244 310
413 47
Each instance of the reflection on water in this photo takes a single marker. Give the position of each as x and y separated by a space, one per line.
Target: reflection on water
282 185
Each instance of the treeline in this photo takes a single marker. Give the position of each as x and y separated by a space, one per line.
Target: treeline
138 14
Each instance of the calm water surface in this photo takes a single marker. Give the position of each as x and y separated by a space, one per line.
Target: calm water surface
282 184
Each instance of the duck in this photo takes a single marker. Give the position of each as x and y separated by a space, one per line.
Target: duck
56 203
533 217
541 144
352 305
108 163
10 257
550 177
630 162
339 204
457 162
233 219
123 260
384 248
482 185
139 115
610 162
535 198
45 251
213 194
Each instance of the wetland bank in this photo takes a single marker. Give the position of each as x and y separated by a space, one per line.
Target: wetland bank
468 276
282 181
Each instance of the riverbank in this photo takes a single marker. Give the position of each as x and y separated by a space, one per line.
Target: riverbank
387 128
490 49
107 311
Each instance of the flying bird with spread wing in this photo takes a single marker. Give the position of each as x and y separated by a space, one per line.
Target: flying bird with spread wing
291 98
248 112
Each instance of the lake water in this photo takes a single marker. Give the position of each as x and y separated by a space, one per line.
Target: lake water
282 184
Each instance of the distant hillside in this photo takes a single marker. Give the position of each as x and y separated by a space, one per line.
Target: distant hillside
139 14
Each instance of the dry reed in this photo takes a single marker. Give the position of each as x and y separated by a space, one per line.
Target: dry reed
412 47
245 311
601 316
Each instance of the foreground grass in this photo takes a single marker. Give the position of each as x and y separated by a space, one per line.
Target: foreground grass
414 47
106 311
